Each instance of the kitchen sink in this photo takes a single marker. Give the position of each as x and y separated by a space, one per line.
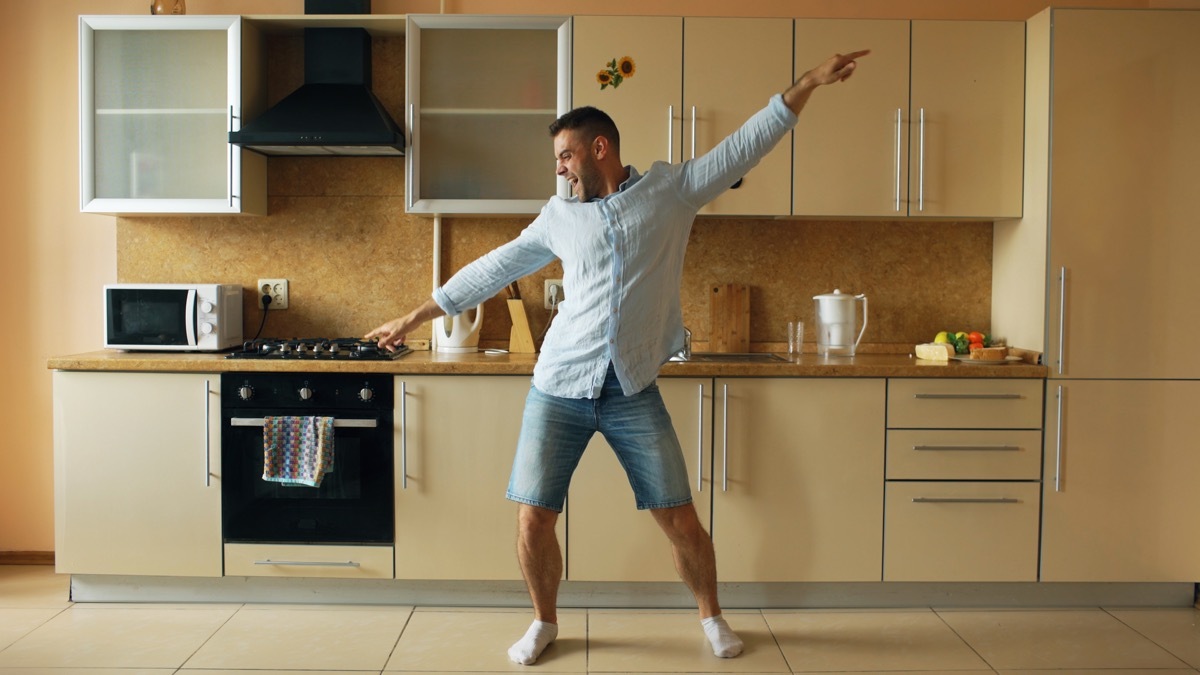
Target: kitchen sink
736 357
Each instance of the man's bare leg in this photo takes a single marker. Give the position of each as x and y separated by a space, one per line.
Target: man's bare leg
696 563
541 563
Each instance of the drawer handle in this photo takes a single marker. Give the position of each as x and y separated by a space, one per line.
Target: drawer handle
964 500
261 421
998 448
307 563
969 396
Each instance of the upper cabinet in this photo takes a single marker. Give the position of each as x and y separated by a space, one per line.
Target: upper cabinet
158 97
931 125
686 92
481 93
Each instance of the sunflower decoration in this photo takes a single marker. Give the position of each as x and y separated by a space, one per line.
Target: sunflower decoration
615 72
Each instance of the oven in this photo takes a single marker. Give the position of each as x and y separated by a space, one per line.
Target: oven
353 503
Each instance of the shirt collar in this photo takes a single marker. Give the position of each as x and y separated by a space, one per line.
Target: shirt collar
634 177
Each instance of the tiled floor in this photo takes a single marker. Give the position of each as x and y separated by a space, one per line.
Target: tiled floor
42 633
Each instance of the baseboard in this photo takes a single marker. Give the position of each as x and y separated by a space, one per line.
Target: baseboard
26 557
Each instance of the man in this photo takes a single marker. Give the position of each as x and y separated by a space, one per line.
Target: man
621 239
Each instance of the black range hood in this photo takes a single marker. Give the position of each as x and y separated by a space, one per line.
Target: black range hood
334 112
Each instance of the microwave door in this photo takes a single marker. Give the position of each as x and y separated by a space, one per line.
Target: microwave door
189 317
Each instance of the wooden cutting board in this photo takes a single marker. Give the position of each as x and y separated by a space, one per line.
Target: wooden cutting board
730 317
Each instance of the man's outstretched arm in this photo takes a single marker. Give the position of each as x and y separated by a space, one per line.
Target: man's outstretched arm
834 69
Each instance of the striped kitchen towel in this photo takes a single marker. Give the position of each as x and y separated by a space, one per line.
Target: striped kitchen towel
297 450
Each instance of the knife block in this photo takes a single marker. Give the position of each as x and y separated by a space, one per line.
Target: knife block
520 340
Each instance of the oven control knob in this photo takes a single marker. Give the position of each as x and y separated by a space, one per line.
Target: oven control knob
366 394
206 328
206 307
245 392
305 393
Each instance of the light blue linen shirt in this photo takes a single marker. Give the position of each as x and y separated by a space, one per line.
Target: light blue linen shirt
622 258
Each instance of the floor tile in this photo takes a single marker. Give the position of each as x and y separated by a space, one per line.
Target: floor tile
870 641
284 638
641 641
1175 630
1056 639
457 641
95 671
34 586
16 623
80 637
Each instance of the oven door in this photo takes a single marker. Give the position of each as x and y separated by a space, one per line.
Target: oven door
353 504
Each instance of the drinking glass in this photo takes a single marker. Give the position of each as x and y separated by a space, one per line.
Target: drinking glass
795 339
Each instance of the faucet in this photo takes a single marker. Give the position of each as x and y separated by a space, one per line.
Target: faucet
684 354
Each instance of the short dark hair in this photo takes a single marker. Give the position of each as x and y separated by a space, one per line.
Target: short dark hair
592 122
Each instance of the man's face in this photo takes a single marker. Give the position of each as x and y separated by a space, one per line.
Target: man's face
576 161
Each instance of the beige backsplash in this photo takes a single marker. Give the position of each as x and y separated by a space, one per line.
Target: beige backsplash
338 232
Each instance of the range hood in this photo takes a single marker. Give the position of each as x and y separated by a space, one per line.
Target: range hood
334 112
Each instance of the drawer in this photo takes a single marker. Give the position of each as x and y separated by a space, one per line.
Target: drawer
964 454
995 403
298 560
961 531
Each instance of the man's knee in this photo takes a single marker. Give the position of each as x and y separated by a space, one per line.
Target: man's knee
680 522
535 520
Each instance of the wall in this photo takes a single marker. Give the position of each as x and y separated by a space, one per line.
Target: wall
55 259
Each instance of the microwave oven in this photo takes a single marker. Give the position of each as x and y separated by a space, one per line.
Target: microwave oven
172 317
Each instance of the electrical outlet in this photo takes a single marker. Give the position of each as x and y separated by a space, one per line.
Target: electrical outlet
558 298
277 289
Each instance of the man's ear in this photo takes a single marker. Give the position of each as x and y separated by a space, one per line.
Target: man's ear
600 147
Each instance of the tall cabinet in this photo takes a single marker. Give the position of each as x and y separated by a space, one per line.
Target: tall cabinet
931 126
1119 97
695 81
158 96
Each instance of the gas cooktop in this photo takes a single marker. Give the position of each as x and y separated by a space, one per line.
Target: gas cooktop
316 349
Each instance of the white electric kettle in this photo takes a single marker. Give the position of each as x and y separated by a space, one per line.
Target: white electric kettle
836 319
457 334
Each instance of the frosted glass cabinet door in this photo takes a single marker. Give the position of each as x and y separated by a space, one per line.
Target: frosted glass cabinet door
481 92
158 97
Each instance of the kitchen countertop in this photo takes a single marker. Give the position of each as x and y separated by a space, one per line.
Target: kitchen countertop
431 363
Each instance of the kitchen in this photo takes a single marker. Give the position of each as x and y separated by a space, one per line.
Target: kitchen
918 274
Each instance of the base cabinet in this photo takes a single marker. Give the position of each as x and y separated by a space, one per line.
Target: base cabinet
291 561
454 442
610 540
798 467
1120 500
137 476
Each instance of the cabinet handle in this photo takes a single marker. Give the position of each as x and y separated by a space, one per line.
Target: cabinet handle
412 159
403 435
1062 316
725 438
1058 443
670 134
207 435
308 563
898 119
231 118
700 439
998 448
966 396
921 178
693 132
964 500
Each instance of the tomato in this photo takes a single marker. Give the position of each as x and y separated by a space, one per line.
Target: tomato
975 336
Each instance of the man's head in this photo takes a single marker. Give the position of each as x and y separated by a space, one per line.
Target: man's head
587 151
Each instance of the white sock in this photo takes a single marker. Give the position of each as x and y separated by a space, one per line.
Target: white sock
539 636
725 643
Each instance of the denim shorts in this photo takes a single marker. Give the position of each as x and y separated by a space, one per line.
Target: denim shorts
555 431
